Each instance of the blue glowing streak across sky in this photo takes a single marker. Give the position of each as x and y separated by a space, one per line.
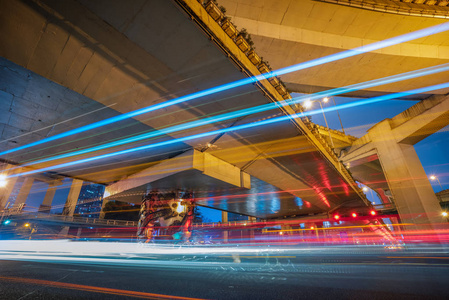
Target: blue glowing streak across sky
316 62
251 110
240 127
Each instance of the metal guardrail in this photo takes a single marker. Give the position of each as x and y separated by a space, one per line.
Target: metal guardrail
69 219
385 207
95 221
225 224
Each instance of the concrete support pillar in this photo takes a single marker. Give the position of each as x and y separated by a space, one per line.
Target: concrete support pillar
411 190
319 231
251 236
224 219
49 195
102 213
6 190
72 198
286 229
24 191
64 233
397 228
78 233
224 216
312 232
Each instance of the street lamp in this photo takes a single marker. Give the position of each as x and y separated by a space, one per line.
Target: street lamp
308 104
433 177
325 99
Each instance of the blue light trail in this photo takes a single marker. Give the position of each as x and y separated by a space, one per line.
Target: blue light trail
240 127
316 62
251 110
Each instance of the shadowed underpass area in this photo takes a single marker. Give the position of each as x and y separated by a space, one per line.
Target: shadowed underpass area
224 149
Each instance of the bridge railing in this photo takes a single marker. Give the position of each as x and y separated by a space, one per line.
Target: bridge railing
385 207
108 222
224 224
73 219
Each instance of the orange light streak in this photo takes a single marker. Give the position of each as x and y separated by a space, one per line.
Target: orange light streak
94 289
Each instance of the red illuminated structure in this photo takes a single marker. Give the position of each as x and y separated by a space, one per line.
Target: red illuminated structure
169 215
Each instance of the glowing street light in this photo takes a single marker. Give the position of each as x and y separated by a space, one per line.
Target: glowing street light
433 177
308 103
3 180
365 189
444 214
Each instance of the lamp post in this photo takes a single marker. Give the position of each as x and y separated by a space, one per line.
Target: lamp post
309 103
433 177
325 99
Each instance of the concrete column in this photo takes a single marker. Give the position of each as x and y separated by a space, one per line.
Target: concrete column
72 198
24 191
78 233
252 234
312 234
411 190
224 219
6 191
102 213
49 195
224 216
286 229
64 233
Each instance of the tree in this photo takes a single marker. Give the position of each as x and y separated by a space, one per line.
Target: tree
198 216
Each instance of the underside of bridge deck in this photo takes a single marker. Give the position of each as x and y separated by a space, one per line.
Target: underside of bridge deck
67 64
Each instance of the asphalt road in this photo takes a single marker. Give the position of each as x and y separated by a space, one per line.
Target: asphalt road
307 274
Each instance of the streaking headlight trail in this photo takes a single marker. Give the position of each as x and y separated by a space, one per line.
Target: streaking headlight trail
312 63
249 111
240 127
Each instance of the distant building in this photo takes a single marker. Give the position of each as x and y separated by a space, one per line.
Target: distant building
90 200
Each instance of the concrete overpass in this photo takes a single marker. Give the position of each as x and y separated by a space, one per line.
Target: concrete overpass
286 32
75 62
386 161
